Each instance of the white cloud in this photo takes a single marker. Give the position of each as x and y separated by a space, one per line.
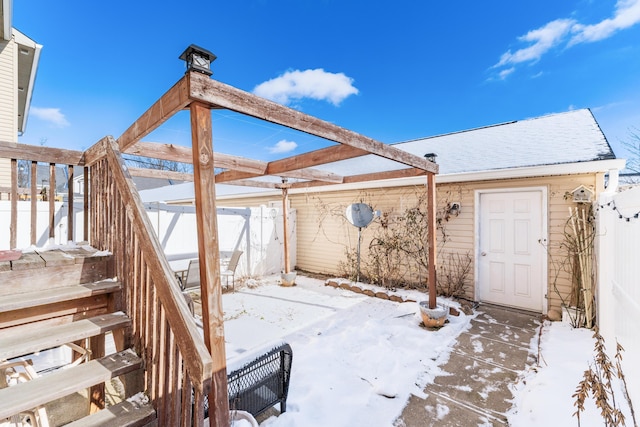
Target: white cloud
555 33
315 84
51 115
504 73
627 14
541 41
283 146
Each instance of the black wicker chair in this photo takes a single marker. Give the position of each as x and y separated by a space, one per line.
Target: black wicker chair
261 383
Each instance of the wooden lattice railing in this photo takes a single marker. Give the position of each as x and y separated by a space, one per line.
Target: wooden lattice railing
163 331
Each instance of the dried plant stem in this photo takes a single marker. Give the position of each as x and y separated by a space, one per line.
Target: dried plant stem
583 241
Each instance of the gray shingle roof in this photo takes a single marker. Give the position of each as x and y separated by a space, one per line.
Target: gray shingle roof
560 138
569 137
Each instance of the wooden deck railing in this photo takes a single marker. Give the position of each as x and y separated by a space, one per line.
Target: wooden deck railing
163 332
177 362
24 161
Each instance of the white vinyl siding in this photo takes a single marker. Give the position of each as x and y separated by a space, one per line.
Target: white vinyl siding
323 233
8 103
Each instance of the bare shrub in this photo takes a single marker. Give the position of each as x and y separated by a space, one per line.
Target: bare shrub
349 267
453 273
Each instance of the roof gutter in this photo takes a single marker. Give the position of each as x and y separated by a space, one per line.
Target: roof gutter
30 63
602 166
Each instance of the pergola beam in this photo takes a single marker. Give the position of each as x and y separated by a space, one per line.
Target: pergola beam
160 174
219 95
315 158
376 176
238 167
174 100
178 153
306 174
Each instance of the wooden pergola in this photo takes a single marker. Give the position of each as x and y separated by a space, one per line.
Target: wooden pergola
200 94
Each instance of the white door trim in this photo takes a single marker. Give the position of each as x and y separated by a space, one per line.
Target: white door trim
545 232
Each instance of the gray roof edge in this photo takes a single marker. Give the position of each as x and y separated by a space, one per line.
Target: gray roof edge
543 117
611 154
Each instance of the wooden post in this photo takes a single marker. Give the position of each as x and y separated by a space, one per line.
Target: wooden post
209 257
34 202
285 228
431 229
70 205
86 215
52 200
13 238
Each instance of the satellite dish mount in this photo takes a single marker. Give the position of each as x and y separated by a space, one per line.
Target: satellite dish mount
359 215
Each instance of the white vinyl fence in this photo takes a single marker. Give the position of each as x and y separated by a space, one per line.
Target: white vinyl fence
618 249
42 224
258 232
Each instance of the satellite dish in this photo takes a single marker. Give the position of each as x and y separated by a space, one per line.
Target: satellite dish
359 214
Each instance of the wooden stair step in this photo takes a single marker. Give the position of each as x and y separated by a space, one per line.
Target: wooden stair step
124 414
18 343
41 390
50 296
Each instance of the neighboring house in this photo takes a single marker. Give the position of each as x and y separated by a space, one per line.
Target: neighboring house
629 179
142 183
19 57
512 182
43 179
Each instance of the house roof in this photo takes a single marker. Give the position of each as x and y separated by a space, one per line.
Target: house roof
554 139
533 144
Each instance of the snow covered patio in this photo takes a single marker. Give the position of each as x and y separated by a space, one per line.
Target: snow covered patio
356 359
360 360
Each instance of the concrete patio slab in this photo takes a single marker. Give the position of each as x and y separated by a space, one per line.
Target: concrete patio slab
485 362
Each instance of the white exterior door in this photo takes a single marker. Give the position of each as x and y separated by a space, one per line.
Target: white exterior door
511 261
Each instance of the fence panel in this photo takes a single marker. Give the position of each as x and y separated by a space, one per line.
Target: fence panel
619 278
258 232
42 224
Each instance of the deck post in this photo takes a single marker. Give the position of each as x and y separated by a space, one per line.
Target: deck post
209 257
431 229
34 202
70 204
52 200
285 226
13 195
86 206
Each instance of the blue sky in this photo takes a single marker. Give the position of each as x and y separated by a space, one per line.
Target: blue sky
393 71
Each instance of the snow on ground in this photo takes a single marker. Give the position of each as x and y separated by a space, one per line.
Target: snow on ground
356 359
543 397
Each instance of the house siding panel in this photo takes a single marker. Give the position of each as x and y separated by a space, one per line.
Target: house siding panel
324 235
8 104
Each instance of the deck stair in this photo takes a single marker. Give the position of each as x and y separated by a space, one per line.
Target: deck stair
55 298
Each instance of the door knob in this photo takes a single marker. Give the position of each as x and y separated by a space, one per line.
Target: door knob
483 254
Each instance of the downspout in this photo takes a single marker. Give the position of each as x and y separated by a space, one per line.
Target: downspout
614 179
